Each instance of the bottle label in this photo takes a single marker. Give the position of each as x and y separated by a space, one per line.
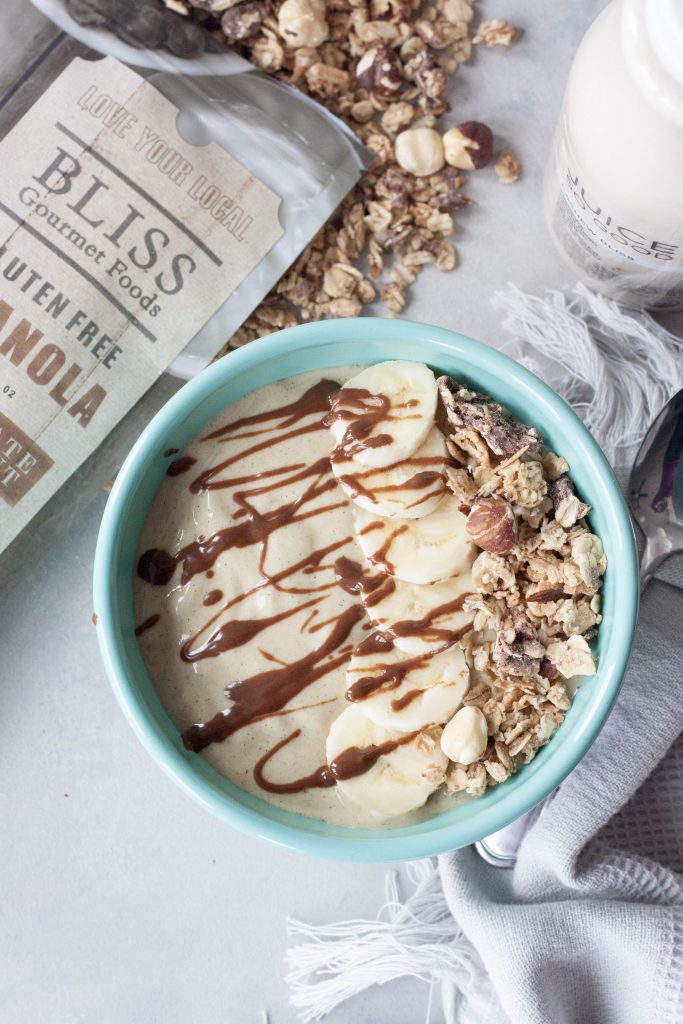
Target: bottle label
118 241
622 258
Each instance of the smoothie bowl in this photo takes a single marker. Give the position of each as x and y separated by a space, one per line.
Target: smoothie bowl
366 589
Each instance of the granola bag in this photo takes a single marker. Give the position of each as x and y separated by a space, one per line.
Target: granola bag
143 215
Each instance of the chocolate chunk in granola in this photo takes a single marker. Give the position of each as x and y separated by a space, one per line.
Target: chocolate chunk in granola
448 190
549 594
431 81
548 670
568 508
393 185
244 20
503 435
518 651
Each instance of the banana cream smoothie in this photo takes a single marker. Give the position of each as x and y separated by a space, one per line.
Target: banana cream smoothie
365 595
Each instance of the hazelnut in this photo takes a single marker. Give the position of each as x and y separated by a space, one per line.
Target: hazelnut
302 23
420 151
492 525
468 146
379 71
465 738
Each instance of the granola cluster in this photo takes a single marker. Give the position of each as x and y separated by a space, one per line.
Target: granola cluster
383 66
536 579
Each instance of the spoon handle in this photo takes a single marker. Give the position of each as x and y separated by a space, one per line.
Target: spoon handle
500 849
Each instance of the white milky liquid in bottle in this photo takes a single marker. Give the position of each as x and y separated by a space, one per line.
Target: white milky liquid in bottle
614 185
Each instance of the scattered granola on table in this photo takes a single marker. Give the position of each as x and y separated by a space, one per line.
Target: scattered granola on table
497 32
384 67
508 168
536 580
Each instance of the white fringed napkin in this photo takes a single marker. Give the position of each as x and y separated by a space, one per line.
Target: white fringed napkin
588 928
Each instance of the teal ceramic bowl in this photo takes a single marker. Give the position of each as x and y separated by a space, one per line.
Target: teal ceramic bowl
321 346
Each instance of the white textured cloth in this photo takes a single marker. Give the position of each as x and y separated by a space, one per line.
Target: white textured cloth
588 927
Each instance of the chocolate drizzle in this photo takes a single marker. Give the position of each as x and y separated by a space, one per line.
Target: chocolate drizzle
359 483
381 555
349 764
425 627
147 624
236 632
389 676
321 778
375 643
374 589
392 674
352 579
157 566
269 691
206 481
309 562
362 412
315 399
180 466
399 703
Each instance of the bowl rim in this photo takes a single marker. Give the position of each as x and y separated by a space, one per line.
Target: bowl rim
284 828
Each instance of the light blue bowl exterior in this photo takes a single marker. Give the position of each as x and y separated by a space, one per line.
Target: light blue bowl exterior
320 346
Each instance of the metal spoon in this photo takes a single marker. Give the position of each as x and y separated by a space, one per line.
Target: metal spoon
656 489
655 500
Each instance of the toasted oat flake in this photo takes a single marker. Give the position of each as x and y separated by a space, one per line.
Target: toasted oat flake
508 168
497 32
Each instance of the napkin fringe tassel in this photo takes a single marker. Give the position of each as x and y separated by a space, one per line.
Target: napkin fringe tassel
616 367
413 937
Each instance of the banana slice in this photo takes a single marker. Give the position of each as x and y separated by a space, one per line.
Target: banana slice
418 550
412 693
420 617
408 490
407 771
384 413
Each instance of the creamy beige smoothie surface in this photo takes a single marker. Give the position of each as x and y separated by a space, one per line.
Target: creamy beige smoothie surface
239 548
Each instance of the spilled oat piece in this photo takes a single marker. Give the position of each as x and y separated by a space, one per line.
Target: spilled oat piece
508 168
